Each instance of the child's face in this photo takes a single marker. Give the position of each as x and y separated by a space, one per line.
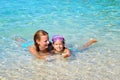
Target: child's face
58 45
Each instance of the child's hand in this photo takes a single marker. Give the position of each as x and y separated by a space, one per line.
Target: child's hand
65 55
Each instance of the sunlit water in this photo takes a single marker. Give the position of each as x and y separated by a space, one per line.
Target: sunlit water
78 21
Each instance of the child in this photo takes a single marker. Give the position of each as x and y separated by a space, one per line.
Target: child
58 43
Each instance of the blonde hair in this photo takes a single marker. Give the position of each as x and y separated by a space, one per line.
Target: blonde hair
37 36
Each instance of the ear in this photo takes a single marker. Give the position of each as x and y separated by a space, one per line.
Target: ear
52 44
38 41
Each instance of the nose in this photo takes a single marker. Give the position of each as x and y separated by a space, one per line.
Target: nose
48 42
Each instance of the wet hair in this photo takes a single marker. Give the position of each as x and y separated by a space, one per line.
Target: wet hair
37 36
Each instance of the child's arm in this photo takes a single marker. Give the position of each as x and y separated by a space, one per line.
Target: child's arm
67 53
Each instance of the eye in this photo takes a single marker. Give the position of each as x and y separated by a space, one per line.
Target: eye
45 40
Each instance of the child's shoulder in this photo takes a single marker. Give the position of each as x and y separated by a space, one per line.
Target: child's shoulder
66 49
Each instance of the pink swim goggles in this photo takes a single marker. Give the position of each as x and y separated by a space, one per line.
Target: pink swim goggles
57 37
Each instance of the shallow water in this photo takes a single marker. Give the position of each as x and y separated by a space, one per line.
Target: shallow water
78 21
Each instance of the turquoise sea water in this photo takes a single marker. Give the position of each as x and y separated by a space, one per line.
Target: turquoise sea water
78 21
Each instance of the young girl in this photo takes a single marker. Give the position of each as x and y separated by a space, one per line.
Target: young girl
58 43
